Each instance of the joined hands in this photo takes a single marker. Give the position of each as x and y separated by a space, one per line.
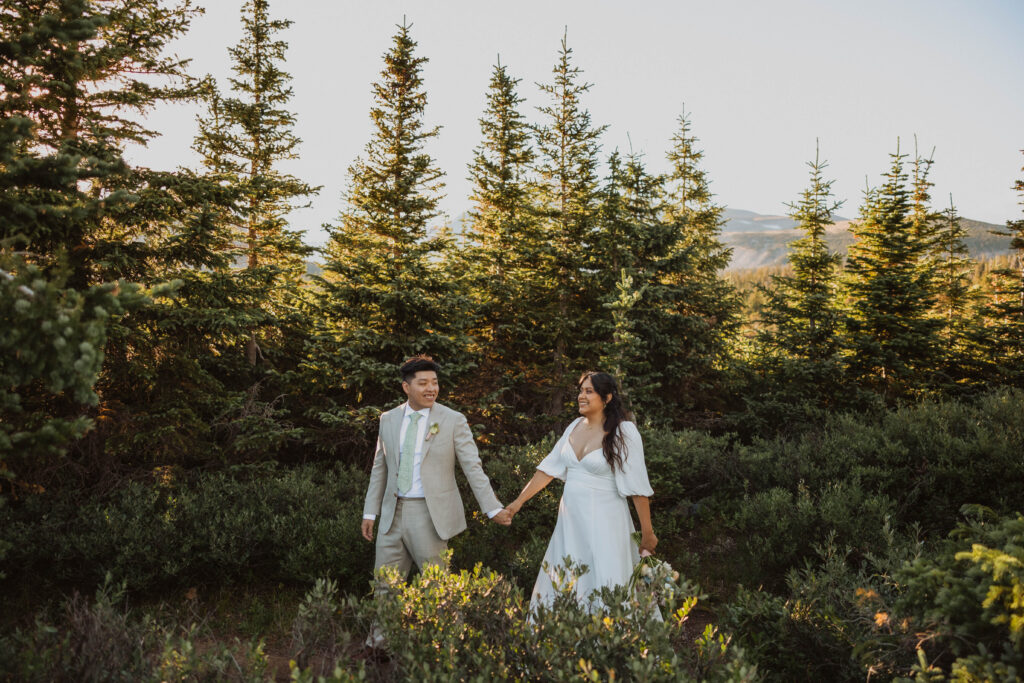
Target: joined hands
507 513
503 518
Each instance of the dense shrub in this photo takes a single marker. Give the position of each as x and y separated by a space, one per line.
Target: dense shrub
474 625
911 468
930 458
969 598
955 611
837 525
771 499
780 528
790 640
824 625
103 640
266 523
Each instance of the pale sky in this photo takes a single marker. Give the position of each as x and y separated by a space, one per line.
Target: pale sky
760 80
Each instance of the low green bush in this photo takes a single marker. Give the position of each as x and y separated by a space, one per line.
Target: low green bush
824 626
103 640
256 523
969 599
953 611
474 625
770 500
929 458
780 529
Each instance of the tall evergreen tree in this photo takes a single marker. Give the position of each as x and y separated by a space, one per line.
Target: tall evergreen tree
1004 311
630 244
954 274
891 333
801 311
924 221
566 167
51 337
243 140
956 300
243 315
81 85
385 293
710 304
503 243
79 77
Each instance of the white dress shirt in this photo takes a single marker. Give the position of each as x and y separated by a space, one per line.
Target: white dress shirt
416 490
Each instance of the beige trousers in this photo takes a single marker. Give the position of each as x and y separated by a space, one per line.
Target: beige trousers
411 538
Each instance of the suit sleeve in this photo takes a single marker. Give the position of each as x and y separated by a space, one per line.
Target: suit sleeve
378 478
469 460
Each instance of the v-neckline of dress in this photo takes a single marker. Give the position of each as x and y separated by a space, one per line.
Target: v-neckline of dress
588 453
578 458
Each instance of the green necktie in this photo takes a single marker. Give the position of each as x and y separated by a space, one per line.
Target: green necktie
408 454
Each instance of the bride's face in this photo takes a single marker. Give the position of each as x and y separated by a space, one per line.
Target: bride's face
589 401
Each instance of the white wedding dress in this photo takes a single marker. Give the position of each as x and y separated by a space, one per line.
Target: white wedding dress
594 526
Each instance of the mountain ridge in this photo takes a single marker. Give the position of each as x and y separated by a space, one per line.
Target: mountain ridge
759 240
762 240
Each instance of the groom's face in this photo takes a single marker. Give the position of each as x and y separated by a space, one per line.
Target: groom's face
421 389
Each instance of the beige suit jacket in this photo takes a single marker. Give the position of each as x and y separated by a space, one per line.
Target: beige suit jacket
453 441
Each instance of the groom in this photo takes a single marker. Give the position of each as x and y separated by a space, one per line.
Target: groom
412 483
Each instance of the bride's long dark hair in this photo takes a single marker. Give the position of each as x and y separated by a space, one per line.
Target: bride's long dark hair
613 443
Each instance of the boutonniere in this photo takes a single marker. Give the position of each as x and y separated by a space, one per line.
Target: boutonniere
434 429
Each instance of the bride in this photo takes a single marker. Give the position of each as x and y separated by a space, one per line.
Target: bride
601 458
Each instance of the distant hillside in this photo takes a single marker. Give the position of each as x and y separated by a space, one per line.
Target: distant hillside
740 220
759 241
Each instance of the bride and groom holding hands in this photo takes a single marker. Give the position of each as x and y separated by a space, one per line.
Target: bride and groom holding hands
599 456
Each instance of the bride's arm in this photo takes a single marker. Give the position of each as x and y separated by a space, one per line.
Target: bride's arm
532 488
648 540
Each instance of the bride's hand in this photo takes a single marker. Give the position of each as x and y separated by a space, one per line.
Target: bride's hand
648 542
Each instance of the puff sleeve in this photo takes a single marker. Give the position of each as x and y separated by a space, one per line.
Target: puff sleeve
554 464
632 479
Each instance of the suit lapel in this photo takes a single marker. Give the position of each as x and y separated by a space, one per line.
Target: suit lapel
428 440
394 430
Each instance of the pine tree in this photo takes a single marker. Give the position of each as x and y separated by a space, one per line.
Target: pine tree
51 354
956 300
260 323
924 221
631 233
503 243
386 295
1004 311
52 335
891 334
84 74
801 310
74 69
708 303
629 257
566 167
243 140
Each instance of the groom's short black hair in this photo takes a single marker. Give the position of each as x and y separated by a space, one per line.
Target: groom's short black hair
416 364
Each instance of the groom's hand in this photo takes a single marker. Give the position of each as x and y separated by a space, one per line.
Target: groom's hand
368 529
